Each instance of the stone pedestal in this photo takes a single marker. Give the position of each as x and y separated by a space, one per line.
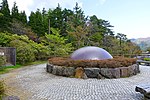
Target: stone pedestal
98 73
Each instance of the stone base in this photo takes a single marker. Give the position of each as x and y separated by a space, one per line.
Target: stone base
144 89
98 73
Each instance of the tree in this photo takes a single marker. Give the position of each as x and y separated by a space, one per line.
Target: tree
66 13
122 37
15 12
36 23
94 31
5 19
78 17
57 44
78 35
23 17
57 17
17 27
1 14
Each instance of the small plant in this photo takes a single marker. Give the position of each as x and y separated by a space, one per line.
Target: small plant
146 59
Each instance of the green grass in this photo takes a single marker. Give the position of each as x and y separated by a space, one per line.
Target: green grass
6 69
35 63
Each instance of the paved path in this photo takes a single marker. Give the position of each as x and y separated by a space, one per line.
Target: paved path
33 83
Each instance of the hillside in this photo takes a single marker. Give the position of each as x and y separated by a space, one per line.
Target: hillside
144 43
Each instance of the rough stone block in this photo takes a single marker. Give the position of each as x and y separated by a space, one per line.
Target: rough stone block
124 72
57 70
106 72
79 72
131 70
100 76
49 68
115 72
110 72
84 76
69 71
92 72
60 70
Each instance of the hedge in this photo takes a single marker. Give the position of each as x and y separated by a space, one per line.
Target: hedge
109 63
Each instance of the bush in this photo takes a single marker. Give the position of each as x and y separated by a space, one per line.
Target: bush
108 63
24 51
146 59
57 43
2 60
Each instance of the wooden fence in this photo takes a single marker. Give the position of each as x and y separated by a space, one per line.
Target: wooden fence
10 54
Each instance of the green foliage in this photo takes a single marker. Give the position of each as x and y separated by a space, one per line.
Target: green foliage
2 60
75 31
5 38
26 48
58 44
5 19
146 59
41 51
1 15
15 11
38 22
24 51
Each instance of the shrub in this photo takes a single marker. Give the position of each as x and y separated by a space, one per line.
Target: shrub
146 59
108 63
2 60
57 43
24 51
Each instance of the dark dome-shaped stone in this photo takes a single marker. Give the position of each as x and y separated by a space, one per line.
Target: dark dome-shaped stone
91 53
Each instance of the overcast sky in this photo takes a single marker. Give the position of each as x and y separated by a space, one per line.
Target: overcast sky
130 17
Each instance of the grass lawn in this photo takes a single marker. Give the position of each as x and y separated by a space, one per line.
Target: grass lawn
6 69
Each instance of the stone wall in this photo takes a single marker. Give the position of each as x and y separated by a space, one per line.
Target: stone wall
99 73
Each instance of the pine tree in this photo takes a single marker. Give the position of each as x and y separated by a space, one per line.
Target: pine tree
36 22
15 12
6 18
23 17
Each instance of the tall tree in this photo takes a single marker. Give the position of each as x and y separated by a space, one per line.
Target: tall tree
23 17
79 17
36 22
121 37
45 20
66 13
5 19
15 12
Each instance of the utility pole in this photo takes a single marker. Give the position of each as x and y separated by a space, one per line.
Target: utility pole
49 30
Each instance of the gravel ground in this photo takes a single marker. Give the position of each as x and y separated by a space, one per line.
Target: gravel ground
34 83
